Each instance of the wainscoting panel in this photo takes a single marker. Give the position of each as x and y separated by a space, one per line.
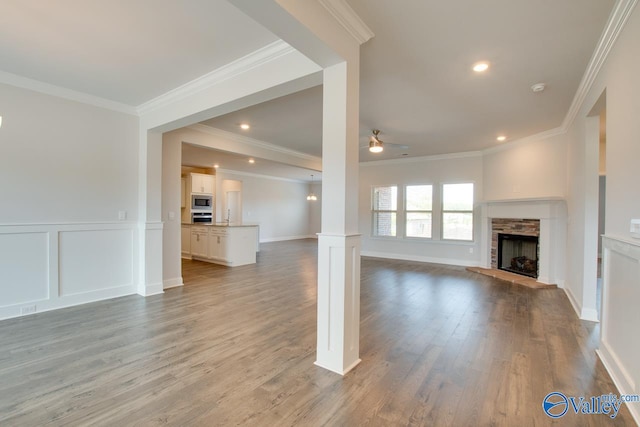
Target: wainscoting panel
24 267
49 266
94 260
619 346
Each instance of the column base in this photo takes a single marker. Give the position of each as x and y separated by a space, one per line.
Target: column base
338 344
344 371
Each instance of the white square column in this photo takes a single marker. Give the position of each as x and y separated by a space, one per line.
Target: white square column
150 220
338 345
338 302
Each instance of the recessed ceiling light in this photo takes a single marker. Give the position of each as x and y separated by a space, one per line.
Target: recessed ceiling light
480 67
501 138
244 126
538 87
252 161
216 166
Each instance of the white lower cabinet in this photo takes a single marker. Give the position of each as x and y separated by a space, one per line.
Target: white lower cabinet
199 242
185 241
218 244
226 245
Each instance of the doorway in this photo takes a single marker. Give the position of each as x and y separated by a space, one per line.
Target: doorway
602 196
594 209
231 201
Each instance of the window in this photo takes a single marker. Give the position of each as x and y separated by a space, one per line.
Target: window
457 211
418 206
384 210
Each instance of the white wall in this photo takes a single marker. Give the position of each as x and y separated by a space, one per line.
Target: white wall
62 161
621 281
530 169
315 209
171 212
66 170
278 206
436 170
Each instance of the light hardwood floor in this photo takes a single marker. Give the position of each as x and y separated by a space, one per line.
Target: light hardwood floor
440 346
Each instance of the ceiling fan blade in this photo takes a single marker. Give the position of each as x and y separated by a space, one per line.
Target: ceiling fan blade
401 146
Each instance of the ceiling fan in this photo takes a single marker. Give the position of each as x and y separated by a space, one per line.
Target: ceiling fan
376 145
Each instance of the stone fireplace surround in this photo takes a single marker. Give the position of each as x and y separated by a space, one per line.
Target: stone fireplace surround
551 214
521 227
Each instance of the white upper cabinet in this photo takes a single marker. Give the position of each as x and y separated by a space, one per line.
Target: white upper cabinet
202 183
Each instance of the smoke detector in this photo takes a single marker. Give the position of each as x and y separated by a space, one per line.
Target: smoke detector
538 87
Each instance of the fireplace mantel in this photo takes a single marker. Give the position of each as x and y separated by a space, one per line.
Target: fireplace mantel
551 212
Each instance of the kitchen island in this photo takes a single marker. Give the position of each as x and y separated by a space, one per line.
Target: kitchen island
232 244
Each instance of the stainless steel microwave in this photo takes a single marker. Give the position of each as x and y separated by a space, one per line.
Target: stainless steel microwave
201 203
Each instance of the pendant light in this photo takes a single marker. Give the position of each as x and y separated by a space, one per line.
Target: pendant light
312 197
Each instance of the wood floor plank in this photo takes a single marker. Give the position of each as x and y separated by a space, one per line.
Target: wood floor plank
440 346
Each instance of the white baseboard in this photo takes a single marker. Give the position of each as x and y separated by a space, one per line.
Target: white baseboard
620 376
577 307
433 260
282 239
590 314
172 283
150 289
40 306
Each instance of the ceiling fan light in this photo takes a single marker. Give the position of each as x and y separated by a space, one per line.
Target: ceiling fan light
375 146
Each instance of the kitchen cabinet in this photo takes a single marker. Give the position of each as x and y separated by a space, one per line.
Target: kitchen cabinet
199 242
218 244
230 245
237 244
185 241
202 183
183 192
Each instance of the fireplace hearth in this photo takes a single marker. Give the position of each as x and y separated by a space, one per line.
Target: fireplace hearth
518 254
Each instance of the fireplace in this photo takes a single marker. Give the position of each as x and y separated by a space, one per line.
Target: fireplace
545 219
518 254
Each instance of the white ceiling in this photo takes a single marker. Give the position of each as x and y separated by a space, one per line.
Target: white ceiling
416 81
417 85
123 50
193 155
293 121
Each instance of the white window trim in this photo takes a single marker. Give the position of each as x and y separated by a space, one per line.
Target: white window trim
407 212
377 211
443 211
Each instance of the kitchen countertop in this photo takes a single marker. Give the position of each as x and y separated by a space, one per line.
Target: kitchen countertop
223 224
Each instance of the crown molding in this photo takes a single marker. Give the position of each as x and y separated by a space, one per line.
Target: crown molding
527 139
223 134
61 92
617 20
262 176
254 59
404 161
348 19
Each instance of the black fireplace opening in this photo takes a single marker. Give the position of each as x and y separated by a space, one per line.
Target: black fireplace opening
518 254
